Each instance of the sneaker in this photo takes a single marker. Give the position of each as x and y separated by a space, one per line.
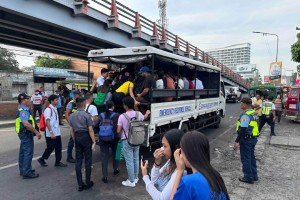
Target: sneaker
242 179
60 164
136 180
71 160
128 183
42 162
104 179
116 172
31 176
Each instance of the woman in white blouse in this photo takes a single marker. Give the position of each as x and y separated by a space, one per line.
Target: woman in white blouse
162 179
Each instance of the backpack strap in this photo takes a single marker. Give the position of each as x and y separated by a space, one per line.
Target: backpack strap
112 115
127 117
136 115
87 109
102 115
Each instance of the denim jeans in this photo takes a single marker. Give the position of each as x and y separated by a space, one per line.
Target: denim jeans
70 148
131 155
26 153
247 148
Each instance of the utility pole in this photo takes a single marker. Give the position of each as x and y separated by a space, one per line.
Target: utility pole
163 21
270 34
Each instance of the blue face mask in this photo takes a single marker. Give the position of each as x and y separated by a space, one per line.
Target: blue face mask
71 95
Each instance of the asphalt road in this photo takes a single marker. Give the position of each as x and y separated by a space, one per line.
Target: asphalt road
60 183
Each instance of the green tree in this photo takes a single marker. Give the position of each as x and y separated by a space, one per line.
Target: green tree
27 69
295 50
293 78
8 61
43 61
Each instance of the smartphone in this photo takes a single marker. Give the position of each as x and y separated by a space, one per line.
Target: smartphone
142 158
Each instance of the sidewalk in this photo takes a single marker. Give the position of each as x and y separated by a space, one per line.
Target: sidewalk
278 161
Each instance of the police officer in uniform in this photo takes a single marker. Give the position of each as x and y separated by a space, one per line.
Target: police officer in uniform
26 129
70 109
268 115
83 135
247 129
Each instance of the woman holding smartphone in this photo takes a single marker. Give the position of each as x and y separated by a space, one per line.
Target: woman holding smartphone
205 182
163 176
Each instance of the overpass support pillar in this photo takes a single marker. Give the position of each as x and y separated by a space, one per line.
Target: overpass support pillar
154 41
163 42
137 29
113 19
187 51
176 49
80 7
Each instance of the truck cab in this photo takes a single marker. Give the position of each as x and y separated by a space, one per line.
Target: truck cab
293 104
234 94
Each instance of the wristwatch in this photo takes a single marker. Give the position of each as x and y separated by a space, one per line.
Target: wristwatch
51 131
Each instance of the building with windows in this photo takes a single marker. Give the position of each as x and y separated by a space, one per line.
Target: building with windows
233 55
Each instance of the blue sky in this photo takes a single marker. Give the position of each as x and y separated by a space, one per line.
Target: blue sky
210 24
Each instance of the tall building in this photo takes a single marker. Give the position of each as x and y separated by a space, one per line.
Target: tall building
233 55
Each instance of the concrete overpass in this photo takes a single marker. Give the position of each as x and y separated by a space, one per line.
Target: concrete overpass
73 27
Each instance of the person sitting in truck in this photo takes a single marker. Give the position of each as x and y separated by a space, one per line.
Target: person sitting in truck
145 95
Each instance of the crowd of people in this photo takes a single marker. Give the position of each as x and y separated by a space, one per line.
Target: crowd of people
184 175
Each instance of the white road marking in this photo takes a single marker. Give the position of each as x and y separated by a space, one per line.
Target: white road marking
15 164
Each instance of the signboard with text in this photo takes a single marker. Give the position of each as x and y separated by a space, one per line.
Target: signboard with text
275 72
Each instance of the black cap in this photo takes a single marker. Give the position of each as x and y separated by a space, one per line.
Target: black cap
246 100
23 96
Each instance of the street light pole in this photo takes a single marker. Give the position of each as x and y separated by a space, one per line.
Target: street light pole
270 34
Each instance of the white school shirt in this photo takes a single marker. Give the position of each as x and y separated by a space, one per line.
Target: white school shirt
92 110
100 81
54 120
36 99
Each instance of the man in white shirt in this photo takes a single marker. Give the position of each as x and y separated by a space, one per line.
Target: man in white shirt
53 136
36 100
199 84
91 109
100 80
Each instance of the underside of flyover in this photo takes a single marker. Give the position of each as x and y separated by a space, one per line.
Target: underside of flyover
23 31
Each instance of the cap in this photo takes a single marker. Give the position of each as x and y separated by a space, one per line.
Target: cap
246 100
144 69
76 92
22 96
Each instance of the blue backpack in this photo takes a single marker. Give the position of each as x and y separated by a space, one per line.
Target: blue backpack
106 128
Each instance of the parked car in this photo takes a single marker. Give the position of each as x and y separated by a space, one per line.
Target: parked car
234 94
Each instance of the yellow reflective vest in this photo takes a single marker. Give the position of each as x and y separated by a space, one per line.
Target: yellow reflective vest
266 108
74 106
253 125
18 124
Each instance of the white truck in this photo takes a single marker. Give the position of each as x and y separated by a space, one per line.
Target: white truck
191 109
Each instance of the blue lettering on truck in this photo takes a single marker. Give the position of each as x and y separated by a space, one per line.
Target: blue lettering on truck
176 110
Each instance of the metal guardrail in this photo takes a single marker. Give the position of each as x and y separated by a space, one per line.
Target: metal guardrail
128 16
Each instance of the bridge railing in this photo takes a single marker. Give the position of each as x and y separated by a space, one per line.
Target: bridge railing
134 19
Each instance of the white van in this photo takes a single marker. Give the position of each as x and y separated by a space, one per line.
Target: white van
191 109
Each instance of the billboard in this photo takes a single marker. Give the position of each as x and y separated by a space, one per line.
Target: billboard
245 68
275 72
266 79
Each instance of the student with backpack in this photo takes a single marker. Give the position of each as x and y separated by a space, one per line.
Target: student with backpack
52 134
126 128
108 138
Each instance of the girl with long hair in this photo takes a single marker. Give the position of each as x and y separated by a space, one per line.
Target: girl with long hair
163 176
205 182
